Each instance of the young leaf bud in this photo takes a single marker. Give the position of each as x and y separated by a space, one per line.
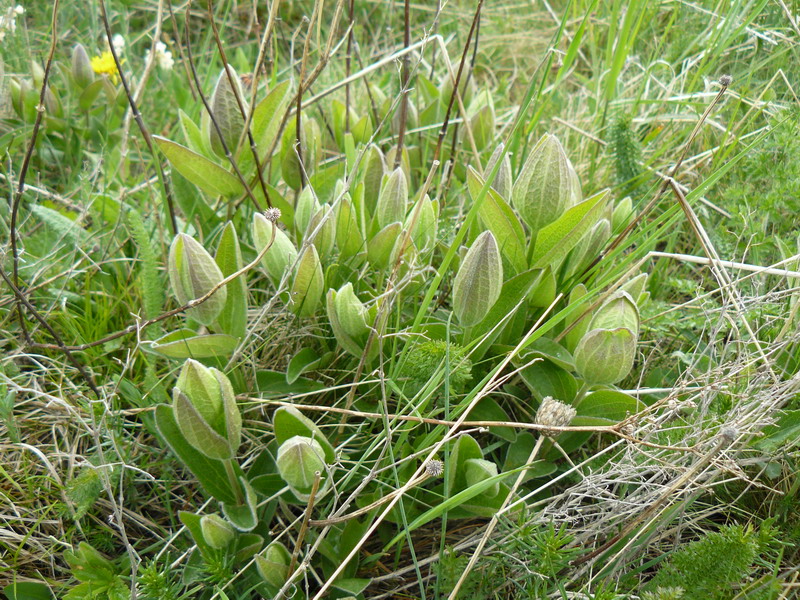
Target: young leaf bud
502 182
227 113
424 232
307 206
202 388
636 287
577 190
466 88
82 71
543 190
374 170
192 274
351 345
379 248
619 310
206 411
349 238
15 93
198 433
299 459
217 532
478 281
37 74
605 356
273 564
623 214
311 151
392 199
405 161
352 314
324 220
281 254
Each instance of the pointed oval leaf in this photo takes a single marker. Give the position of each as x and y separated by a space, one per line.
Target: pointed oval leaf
233 318
605 356
478 282
197 431
186 343
497 216
267 116
210 473
204 173
243 516
554 241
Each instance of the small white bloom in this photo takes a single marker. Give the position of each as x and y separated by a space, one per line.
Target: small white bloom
8 21
118 42
163 59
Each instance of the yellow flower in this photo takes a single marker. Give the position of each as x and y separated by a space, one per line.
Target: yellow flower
105 65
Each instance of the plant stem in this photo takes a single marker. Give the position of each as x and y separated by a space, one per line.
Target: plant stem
234 480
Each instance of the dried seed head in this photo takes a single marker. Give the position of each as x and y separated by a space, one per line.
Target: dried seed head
434 468
553 413
725 80
273 214
728 435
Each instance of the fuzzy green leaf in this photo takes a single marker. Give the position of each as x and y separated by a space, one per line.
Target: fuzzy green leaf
554 241
186 343
210 473
204 173
289 422
497 216
243 516
197 431
233 318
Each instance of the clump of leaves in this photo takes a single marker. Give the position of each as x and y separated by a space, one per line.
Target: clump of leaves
156 583
84 490
762 196
530 562
713 567
426 358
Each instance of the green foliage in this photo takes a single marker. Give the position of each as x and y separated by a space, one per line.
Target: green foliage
426 358
101 579
713 567
151 283
156 582
369 256
762 196
627 152
528 566
84 490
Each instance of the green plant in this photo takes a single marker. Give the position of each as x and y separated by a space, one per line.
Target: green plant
716 565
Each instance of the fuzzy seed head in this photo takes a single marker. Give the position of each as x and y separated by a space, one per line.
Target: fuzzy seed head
728 435
273 214
434 468
725 80
553 413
